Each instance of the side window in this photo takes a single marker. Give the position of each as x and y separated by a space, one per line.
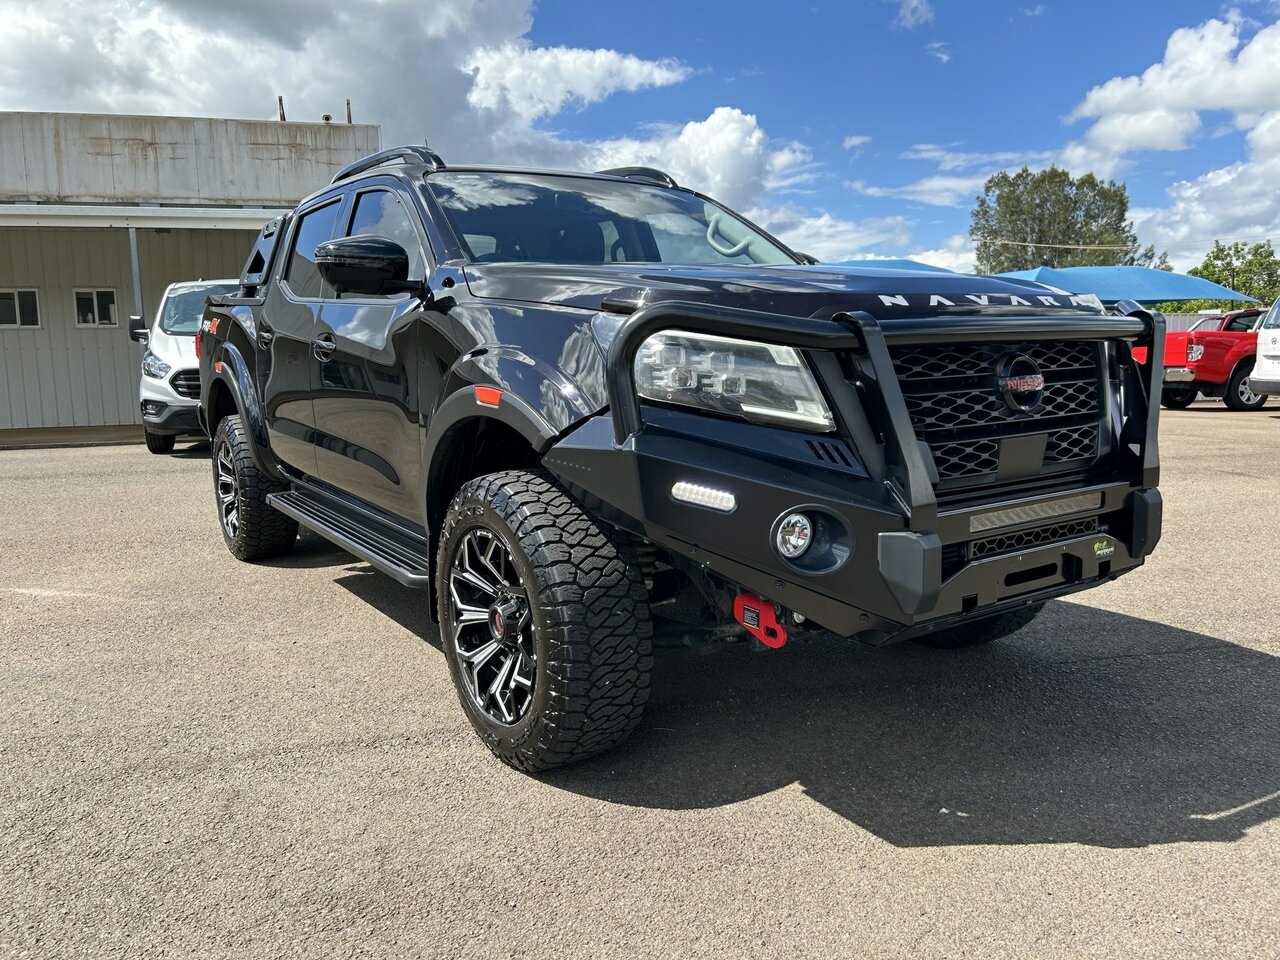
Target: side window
379 213
1273 317
1240 325
315 227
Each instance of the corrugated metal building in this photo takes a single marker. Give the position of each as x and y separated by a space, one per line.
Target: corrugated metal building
98 214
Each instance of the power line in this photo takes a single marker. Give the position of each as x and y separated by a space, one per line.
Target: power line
1063 246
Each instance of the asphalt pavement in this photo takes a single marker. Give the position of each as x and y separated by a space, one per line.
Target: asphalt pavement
203 758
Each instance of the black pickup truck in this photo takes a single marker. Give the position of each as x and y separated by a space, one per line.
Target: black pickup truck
591 412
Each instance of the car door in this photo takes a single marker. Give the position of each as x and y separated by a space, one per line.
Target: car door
285 332
366 395
1267 365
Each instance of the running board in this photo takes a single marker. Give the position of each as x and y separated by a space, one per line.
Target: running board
376 543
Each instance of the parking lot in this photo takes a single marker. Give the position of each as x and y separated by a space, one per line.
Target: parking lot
205 758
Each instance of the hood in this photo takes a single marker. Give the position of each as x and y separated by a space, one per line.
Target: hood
178 352
801 291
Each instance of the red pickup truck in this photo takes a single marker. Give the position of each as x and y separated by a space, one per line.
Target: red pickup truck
1215 357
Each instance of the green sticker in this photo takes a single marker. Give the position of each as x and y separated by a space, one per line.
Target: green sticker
1103 548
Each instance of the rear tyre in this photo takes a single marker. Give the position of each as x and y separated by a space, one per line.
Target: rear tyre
159 442
1178 397
544 620
1239 395
252 529
977 632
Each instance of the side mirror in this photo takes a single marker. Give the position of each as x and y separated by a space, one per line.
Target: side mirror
138 330
364 264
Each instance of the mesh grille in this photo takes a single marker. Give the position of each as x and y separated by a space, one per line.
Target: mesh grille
186 383
1024 539
956 406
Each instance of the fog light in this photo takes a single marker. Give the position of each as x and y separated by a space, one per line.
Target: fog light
701 496
794 533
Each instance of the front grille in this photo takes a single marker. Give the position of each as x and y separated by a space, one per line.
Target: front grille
186 383
1025 539
956 407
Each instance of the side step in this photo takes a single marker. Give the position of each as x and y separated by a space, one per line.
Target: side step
378 544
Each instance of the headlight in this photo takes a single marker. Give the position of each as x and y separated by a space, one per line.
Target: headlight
1194 352
154 367
755 381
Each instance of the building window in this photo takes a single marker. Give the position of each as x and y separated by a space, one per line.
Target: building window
95 308
19 308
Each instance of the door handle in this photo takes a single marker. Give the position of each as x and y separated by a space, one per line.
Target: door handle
265 335
323 347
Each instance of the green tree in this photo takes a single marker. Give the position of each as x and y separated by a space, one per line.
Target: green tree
1032 219
1251 270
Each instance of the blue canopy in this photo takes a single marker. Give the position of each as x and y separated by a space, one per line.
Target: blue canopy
1129 283
888 264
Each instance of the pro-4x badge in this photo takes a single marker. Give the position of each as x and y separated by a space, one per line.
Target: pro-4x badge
1103 548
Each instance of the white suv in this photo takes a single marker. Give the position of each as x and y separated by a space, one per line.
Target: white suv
1265 377
170 388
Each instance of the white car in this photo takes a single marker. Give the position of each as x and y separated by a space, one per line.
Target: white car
1265 377
170 387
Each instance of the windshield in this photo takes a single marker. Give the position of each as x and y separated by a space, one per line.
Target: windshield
184 306
504 217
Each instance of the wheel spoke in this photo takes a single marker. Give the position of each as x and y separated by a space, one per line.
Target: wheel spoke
497 666
497 692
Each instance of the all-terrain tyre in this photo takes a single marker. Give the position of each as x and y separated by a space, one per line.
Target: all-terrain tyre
1238 395
1179 397
159 442
976 632
252 529
544 619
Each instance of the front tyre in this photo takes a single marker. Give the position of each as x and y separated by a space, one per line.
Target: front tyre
159 442
1178 397
252 529
1239 394
544 619
975 632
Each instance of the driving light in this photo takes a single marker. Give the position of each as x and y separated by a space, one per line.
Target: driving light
154 367
794 534
739 378
701 496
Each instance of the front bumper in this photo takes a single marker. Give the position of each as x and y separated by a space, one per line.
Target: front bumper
1179 375
162 418
891 578
887 559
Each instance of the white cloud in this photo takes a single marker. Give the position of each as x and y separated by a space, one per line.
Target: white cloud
956 253
939 50
940 190
853 141
1210 67
949 159
536 82
830 238
465 77
913 13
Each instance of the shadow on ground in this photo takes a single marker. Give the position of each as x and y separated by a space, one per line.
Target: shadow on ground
1088 726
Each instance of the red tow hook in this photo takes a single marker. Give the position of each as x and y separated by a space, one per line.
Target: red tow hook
760 619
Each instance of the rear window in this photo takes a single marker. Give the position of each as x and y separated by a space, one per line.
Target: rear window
184 306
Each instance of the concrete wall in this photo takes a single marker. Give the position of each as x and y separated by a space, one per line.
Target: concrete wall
61 375
88 158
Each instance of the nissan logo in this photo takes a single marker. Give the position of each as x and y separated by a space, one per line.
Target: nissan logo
1020 382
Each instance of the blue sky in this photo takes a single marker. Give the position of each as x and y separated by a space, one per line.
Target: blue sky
862 128
982 78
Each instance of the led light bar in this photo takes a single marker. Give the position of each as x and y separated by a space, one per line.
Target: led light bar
701 496
1031 512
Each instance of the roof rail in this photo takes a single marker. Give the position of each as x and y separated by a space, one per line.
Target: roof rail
410 154
648 174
